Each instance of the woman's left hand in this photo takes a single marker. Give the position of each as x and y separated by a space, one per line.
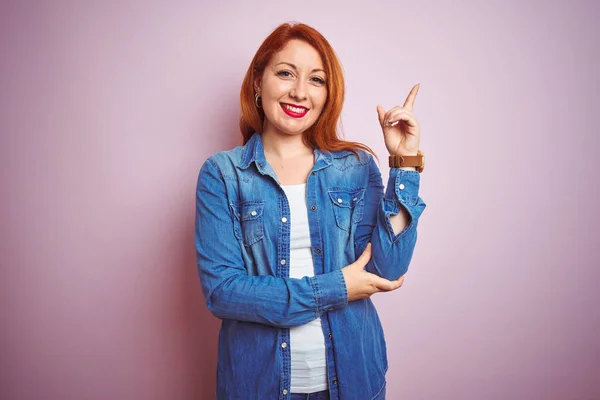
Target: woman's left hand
401 130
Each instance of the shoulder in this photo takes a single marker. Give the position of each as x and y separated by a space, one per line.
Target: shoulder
221 158
226 160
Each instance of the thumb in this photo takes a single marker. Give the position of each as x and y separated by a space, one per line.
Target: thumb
380 114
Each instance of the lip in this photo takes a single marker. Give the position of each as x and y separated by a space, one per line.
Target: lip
294 114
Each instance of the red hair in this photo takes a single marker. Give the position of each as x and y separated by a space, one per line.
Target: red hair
323 134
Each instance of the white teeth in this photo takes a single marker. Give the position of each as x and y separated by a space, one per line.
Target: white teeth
295 109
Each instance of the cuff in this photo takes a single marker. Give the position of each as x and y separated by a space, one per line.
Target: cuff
330 291
403 185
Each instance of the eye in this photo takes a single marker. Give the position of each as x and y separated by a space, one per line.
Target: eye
319 80
284 73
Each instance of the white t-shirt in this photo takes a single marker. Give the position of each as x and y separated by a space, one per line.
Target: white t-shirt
307 342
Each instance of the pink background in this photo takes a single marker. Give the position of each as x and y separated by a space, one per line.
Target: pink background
107 112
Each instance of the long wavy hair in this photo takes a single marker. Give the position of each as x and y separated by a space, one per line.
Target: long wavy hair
324 133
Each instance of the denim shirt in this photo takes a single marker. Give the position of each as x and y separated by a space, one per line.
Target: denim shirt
242 237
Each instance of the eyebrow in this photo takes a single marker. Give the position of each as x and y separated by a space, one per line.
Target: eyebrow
296 68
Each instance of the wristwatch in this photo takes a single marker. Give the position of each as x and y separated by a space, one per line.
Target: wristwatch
417 161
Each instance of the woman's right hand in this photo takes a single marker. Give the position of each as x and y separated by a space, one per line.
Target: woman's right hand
362 284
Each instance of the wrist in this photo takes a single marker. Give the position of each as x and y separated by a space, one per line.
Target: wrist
409 161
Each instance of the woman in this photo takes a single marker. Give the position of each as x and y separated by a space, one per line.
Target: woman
294 232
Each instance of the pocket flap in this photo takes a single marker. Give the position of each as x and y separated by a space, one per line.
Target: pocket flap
346 197
248 210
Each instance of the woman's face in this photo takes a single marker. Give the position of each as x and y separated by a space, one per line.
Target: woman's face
292 89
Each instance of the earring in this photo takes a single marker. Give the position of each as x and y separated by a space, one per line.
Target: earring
256 100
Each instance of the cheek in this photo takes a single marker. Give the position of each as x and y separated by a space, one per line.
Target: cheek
320 101
277 89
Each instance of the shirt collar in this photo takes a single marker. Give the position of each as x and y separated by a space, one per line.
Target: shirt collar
254 151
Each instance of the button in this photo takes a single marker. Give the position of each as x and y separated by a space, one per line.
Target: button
313 208
335 381
284 219
285 391
354 199
312 173
259 165
329 335
340 201
282 262
253 213
401 186
284 345
318 251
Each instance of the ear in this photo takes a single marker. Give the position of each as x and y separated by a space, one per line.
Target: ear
257 85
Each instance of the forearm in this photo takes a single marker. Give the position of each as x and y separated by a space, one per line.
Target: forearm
399 221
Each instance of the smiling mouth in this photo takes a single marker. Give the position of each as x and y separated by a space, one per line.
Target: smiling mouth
294 111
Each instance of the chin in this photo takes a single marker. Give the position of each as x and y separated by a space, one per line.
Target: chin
299 132
286 130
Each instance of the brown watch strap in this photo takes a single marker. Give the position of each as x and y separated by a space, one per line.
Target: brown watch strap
417 161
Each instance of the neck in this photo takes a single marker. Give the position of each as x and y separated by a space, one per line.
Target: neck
284 146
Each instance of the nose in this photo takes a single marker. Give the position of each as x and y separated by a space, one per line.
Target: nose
298 92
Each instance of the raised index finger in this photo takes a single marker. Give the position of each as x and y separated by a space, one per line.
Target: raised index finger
410 100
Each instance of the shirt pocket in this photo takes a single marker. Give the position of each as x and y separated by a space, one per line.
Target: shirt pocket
249 226
348 205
